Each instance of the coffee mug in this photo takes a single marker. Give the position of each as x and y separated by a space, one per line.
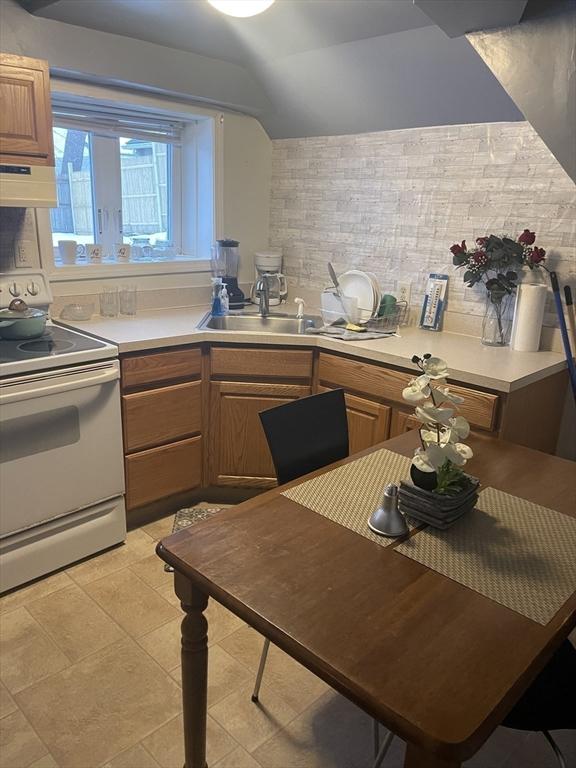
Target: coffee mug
69 250
94 253
122 251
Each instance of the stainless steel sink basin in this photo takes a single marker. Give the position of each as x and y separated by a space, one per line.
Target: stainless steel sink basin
275 323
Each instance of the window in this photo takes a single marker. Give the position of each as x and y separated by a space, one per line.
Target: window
119 182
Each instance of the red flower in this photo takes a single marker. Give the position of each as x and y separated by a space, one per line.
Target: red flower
527 237
478 258
537 256
456 249
482 240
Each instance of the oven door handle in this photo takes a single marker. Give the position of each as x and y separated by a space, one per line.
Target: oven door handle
60 387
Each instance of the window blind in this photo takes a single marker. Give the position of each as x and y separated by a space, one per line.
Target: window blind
116 121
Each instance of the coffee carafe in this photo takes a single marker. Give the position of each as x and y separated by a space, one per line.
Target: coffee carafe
269 263
225 261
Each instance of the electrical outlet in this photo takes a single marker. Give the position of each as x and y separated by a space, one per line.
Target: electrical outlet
25 253
403 291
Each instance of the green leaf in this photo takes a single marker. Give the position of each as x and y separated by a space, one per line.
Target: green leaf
468 275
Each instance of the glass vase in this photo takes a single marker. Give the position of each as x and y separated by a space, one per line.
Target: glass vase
497 323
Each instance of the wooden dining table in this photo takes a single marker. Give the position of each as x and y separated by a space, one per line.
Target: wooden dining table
435 662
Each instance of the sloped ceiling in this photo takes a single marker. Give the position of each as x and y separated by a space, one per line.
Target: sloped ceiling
536 62
320 67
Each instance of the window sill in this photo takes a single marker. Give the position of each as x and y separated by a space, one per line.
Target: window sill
66 272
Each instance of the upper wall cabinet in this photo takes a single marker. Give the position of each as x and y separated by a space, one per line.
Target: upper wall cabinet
25 111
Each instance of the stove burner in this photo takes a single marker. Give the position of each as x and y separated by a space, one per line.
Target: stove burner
46 345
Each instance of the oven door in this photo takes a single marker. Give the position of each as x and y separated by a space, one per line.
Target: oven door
60 443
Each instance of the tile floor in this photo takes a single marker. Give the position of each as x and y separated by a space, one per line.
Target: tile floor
90 678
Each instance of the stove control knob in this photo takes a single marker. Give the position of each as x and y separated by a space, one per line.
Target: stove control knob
33 289
15 289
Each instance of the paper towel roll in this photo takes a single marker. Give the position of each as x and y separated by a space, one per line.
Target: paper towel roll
528 317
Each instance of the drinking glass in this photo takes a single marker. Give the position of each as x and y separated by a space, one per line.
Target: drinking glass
128 300
109 302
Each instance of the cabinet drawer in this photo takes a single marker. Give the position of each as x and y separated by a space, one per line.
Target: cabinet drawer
479 407
158 367
160 472
160 415
262 363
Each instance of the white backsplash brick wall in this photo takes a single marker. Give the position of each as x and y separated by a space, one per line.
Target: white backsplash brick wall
394 202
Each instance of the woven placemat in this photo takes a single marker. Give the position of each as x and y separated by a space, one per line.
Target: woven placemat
508 549
349 494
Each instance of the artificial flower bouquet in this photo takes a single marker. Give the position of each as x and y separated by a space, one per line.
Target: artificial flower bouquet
495 260
444 492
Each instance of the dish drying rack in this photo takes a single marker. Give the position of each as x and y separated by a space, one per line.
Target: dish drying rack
336 308
390 322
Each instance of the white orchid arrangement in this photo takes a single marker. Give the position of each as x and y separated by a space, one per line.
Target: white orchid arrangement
442 431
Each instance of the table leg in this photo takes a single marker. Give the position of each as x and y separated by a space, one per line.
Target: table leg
419 758
194 671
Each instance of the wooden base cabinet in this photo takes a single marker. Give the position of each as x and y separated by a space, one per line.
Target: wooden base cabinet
162 424
403 422
160 472
163 415
239 454
368 421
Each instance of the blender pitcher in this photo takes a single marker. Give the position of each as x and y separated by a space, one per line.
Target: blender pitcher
225 259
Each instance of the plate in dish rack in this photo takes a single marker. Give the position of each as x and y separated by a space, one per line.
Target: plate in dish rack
359 285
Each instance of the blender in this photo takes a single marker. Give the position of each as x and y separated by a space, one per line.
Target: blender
224 262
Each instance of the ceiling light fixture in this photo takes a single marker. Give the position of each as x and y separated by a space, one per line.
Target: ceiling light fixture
241 8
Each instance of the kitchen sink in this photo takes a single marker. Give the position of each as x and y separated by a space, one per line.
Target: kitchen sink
274 323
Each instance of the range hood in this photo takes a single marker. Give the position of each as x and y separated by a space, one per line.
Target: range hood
27 186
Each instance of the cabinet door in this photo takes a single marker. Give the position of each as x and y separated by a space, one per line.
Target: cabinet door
25 111
403 422
368 421
239 454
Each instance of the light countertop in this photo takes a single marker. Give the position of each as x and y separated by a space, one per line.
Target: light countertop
498 368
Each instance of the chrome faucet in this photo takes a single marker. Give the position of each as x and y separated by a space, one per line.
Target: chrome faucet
263 293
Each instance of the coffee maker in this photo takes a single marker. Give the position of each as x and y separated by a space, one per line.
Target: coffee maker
224 262
269 263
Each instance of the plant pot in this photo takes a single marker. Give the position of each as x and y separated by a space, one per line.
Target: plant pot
438 510
426 480
497 322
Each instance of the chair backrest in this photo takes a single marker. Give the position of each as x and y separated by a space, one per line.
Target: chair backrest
306 434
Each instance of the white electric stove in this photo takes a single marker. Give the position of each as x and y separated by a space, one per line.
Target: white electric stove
61 456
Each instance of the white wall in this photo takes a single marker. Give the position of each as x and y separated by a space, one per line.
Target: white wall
394 202
247 177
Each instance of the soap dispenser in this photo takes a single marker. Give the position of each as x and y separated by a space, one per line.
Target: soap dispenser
216 296
224 300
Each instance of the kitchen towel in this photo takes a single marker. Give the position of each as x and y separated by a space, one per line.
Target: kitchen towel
508 549
349 494
528 317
